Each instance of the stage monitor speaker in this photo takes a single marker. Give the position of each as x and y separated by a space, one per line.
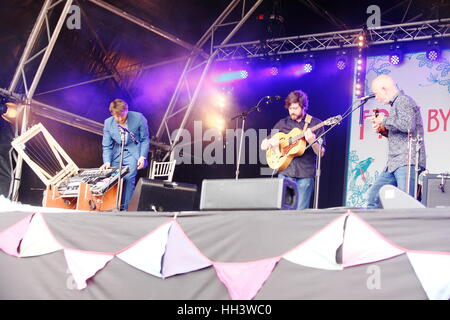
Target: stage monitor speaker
245 194
436 190
159 195
393 198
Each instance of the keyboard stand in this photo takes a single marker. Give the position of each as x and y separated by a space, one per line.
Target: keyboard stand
84 201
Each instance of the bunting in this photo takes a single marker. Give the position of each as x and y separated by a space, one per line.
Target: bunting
146 254
167 251
181 254
363 244
84 265
432 269
321 250
11 237
38 239
244 280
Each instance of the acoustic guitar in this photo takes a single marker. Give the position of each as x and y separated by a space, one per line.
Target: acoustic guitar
292 144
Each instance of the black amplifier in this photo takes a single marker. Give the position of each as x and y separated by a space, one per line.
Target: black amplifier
249 194
436 190
160 195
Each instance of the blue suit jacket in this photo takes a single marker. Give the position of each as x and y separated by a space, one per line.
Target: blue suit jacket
137 124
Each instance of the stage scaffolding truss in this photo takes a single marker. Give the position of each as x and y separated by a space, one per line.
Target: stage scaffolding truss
201 55
423 30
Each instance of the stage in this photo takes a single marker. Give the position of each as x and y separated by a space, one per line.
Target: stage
221 255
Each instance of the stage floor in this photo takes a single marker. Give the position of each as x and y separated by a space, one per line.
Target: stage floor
219 255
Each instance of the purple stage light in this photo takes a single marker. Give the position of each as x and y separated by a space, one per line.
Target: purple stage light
273 71
243 74
394 59
308 67
341 64
432 54
231 76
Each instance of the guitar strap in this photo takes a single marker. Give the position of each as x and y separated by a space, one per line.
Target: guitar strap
307 121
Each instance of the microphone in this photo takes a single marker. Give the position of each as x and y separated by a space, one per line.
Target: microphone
272 98
132 137
370 96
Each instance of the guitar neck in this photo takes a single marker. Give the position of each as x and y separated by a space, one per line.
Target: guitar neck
301 135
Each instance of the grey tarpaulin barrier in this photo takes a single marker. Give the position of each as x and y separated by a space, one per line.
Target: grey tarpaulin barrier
233 236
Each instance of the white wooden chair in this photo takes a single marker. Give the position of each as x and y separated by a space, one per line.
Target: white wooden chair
163 169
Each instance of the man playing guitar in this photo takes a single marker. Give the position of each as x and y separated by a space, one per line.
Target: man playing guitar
302 168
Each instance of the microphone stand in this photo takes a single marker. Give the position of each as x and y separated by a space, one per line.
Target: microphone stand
317 182
243 116
339 122
119 180
319 140
416 171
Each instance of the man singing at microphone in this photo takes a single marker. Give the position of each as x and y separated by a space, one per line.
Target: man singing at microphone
404 117
302 169
134 127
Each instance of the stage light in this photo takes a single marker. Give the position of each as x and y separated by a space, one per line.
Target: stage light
341 60
243 74
361 41
433 52
341 64
231 76
308 67
274 71
8 109
395 55
395 58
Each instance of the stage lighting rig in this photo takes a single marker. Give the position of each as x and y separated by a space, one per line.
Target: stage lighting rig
8 107
395 55
433 52
341 60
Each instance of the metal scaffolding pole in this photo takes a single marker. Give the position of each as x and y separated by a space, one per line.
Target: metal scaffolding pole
145 25
26 58
209 35
187 67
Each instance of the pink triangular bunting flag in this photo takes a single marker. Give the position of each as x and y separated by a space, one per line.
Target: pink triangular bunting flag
84 265
38 239
11 237
243 280
432 269
181 254
320 250
146 254
363 244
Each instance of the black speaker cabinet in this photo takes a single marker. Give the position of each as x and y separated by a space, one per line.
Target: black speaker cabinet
159 195
436 190
244 194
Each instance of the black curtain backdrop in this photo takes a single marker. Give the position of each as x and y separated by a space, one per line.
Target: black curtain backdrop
329 91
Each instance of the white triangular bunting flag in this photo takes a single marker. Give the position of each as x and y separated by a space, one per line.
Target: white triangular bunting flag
84 265
363 244
146 254
38 239
432 269
320 250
